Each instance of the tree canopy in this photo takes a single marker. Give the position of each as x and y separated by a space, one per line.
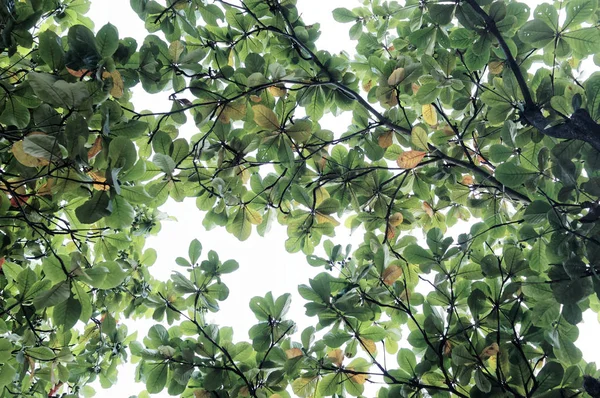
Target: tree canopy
462 111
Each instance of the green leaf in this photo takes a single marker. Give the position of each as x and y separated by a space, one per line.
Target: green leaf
98 207
537 212
579 11
572 291
83 52
537 33
67 313
42 146
329 384
418 138
15 113
7 374
512 175
122 215
56 295
107 40
115 275
415 254
51 51
194 251
344 15
156 378
41 353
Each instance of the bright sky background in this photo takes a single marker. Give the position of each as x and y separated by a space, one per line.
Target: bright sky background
264 263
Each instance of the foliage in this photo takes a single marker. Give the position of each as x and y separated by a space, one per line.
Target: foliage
462 111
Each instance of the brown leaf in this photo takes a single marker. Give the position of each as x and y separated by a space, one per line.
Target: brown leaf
386 140
468 180
410 159
78 73
390 232
428 209
293 353
391 274
490 350
96 148
447 348
202 394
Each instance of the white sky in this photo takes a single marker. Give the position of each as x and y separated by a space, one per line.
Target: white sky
264 263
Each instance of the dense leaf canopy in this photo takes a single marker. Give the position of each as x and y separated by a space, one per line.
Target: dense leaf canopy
473 111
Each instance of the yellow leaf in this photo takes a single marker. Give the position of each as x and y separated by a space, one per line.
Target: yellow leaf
182 5
385 140
265 117
253 216
336 356
244 392
490 351
396 77
175 49
232 111
118 86
492 363
418 137
243 173
367 85
46 188
324 218
277 91
99 181
396 219
304 386
231 58
255 98
320 195
359 378
293 353
496 67
391 274
429 114
410 159
26 159
368 345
